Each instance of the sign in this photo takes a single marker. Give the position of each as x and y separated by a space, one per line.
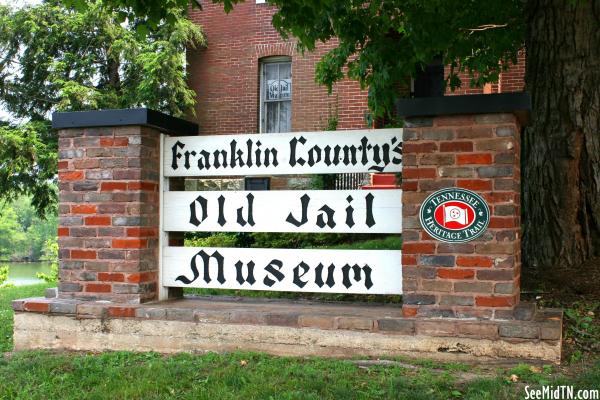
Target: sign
284 153
454 215
315 211
330 271
343 211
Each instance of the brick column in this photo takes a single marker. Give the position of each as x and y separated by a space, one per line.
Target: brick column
109 204
476 279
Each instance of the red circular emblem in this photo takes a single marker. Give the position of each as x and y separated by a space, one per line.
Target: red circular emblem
454 215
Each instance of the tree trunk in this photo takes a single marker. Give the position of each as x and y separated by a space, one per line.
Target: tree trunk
561 147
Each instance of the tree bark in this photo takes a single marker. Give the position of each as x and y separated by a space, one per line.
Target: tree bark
561 147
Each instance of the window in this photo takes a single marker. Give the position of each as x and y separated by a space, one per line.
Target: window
276 95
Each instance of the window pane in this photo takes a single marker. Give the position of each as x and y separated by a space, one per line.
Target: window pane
285 71
271 110
285 116
272 81
285 81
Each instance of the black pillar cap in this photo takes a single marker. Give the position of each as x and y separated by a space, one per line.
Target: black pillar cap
124 117
516 103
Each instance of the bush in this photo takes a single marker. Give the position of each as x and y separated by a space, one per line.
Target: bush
214 240
3 275
50 254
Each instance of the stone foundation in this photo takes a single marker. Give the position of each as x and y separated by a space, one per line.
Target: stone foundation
298 328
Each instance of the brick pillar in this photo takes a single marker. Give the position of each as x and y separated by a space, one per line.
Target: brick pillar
480 278
109 213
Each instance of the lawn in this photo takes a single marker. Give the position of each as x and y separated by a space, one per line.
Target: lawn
122 375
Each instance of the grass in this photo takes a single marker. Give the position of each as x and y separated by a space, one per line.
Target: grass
124 375
7 295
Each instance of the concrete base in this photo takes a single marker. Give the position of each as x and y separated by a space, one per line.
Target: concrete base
46 331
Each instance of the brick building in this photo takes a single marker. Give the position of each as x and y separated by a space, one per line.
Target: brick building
248 79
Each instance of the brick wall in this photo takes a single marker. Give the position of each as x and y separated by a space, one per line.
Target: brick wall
513 80
473 279
108 213
225 75
510 81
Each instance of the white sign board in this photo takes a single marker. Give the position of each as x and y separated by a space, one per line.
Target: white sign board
340 211
327 271
284 153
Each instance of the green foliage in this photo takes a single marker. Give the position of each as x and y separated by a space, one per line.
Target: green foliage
583 327
383 43
3 275
50 254
12 237
151 13
7 295
22 233
28 157
216 240
55 58
296 240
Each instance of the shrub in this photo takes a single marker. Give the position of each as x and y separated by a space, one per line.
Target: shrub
50 254
3 275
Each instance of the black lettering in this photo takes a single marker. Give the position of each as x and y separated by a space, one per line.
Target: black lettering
304 200
364 159
349 155
297 275
329 213
275 272
193 216
397 160
249 158
293 143
186 164
376 160
327 157
240 276
176 154
349 212
268 153
314 156
370 221
223 154
319 275
221 220
249 218
257 154
236 155
206 260
206 163
357 275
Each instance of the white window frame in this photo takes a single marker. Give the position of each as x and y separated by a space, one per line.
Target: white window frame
271 60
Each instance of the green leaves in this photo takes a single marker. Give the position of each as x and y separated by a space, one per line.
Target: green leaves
59 58
383 43
82 55
28 159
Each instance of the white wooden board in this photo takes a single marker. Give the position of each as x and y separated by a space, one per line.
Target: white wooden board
340 211
284 269
378 150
